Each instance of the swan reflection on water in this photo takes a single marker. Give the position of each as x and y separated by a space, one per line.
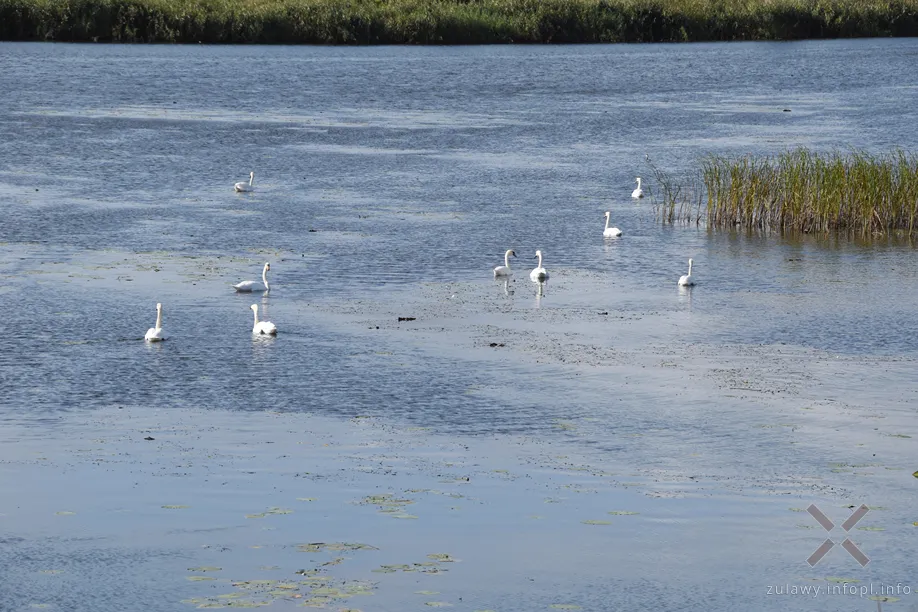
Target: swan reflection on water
685 295
540 293
506 285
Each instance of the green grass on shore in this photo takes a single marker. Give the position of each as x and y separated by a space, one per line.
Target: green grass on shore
800 191
451 21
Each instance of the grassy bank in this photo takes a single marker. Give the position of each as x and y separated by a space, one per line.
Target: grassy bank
800 191
451 21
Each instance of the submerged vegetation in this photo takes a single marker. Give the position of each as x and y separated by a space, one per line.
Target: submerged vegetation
799 191
451 21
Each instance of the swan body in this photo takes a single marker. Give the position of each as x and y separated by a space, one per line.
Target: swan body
155 334
538 273
504 270
243 186
263 327
686 280
610 232
250 286
638 193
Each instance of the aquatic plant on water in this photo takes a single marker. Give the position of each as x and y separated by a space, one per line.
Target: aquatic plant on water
451 21
800 190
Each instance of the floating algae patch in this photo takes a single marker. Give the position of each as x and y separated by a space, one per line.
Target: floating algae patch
915 474
391 569
205 568
359 587
175 507
437 604
886 598
565 606
596 522
623 513
442 557
427 592
872 528
199 578
278 511
253 516
404 516
306 499
333 546
837 579
796 509
65 513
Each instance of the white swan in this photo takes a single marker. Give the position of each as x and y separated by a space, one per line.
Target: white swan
262 327
243 186
249 286
155 334
638 193
504 270
610 232
686 280
538 273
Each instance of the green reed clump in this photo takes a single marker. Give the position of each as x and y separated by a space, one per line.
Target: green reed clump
811 192
451 21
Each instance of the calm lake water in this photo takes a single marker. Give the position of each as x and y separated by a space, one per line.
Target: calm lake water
389 181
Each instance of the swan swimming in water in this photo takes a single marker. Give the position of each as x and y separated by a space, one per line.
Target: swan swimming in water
638 193
538 273
249 286
610 232
504 270
263 327
155 334
686 280
243 186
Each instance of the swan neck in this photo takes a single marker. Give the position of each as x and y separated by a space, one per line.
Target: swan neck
159 318
540 260
689 268
607 220
264 278
507 259
251 179
255 312
639 182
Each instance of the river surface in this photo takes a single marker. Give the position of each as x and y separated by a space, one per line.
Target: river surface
605 441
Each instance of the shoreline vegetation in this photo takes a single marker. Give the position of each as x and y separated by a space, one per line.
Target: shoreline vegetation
798 191
451 22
